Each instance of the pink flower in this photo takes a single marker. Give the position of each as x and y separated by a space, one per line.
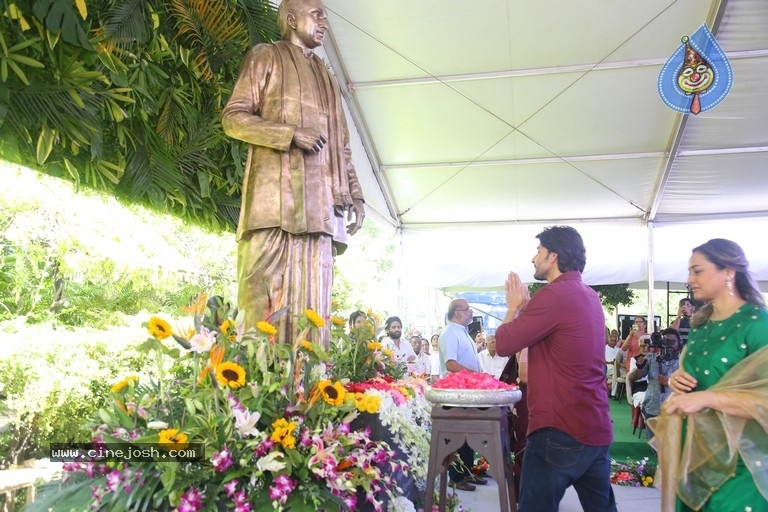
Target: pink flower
191 501
245 422
323 462
230 487
221 460
282 486
240 498
350 500
263 448
203 341
113 480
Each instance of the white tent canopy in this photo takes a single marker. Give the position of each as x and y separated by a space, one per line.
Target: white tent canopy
480 123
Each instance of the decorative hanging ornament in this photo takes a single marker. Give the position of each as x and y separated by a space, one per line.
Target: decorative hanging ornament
697 76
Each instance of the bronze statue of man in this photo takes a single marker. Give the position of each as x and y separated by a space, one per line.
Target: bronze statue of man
299 178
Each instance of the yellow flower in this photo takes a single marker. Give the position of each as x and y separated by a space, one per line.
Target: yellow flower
388 353
405 392
226 325
315 318
283 433
230 374
337 320
123 383
171 438
306 345
266 328
374 346
367 403
159 328
333 393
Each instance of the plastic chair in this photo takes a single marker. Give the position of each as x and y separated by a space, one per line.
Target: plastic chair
621 382
638 422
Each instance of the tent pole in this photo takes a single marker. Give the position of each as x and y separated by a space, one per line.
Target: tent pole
651 315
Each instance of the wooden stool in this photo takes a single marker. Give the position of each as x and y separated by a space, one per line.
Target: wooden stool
485 431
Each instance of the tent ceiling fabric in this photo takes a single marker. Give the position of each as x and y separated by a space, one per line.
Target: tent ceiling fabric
486 121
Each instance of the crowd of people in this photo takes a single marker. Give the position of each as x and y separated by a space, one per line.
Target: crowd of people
705 375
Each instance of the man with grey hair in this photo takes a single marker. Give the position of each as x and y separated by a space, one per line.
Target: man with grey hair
457 353
299 179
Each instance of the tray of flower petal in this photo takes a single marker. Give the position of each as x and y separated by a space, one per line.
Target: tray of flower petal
469 389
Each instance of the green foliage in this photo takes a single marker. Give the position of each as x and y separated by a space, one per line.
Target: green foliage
62 261
611 295
126 96
52 388
614 295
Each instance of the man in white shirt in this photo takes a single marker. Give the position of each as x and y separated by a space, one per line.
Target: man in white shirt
403 350
457 353
490 361
611 349
421 367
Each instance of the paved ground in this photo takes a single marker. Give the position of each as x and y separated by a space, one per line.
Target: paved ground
629 499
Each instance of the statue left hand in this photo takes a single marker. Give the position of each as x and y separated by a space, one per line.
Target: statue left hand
358 210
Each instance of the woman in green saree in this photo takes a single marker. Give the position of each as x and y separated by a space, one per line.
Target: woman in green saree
712 436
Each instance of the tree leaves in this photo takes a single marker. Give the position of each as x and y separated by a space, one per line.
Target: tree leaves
136 108
60 17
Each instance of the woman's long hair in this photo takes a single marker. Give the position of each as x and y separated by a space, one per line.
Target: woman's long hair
727 254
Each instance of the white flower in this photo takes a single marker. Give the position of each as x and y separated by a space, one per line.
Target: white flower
401 504
245 422
202 341
268 462
157 425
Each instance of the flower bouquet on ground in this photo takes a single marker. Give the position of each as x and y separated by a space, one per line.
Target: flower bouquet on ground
481 467
634 473
235 420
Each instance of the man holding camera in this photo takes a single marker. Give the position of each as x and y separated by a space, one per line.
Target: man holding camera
663 358
683 321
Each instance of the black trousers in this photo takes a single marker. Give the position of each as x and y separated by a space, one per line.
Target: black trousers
462 468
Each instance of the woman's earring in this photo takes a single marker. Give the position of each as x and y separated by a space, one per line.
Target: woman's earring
729 284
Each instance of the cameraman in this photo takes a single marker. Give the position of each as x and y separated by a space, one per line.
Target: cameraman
663 359
638 371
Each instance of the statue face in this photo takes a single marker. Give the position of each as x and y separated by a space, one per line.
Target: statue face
309 24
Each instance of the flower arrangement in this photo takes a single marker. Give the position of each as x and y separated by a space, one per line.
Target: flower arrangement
634 473
376 378
358 357
272 427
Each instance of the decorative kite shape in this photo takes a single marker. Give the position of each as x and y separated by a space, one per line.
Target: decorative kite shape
697 76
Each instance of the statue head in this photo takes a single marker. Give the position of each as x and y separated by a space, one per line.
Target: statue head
302 22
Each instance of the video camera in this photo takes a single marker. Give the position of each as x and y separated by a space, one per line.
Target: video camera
658 341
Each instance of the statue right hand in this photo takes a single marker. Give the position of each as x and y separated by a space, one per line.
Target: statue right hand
309 139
